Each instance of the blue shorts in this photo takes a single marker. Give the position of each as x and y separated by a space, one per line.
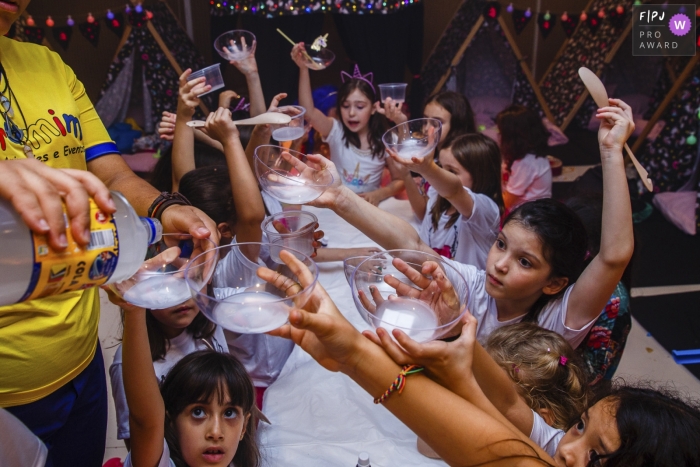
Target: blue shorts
72 421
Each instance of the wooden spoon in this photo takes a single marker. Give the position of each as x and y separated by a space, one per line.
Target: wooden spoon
597 89
275 118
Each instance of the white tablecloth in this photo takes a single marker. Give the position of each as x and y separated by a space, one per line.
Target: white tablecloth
324 419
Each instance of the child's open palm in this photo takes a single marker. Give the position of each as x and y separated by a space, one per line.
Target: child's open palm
447 363
616 124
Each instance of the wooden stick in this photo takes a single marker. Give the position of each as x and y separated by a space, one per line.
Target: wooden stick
294 43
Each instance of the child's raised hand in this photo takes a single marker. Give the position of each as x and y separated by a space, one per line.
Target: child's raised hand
319 328
298 55
248 65
391 111
166 126
188 99
616 125
415 164
226 97
276 102
318 162
445 362
220 127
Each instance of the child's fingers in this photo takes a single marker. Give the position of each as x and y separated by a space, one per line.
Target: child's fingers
392 349
413 275
624 106
297 163
366 302
376 295
403 289
372 337
184 75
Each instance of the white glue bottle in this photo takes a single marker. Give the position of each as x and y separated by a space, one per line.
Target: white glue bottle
363 460
31 269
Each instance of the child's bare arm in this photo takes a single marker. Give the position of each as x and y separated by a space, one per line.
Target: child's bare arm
321 122
183 139
595 285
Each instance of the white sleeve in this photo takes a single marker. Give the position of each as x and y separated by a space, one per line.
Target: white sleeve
165 460
119 395
522 174
545 436
553 317
18 445
336 132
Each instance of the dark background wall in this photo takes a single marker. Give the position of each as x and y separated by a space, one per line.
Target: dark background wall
91 64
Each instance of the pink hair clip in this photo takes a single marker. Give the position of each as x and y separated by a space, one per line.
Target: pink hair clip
356 74
563 360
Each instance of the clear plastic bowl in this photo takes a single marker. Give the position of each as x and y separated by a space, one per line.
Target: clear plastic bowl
235 45
283 182
245 303
414 138
349 265
162 283
212 75
318 59
292 130
423 318
293 230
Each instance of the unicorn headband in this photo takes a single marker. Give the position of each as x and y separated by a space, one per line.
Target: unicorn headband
368 78
241 106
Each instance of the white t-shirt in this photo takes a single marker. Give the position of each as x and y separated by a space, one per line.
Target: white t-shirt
442 240
272 205
483 307
530 178
165 460
545 436
179 347
358 170
263 356
478 232
18 445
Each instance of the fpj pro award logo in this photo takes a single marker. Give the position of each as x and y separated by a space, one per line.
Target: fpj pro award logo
666 30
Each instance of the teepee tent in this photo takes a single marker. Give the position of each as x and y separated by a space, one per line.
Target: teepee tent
155 47
478 56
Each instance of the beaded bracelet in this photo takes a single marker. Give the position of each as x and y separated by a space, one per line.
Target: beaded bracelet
399 382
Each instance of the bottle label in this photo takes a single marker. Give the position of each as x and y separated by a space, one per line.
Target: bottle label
76 267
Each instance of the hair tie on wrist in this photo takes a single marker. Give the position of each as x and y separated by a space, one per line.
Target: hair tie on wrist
164 201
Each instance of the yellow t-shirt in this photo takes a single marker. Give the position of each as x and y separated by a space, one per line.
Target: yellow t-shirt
46 342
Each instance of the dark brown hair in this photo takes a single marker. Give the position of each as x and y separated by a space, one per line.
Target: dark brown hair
480 156
461 114
199 328
199 377
522 133
376 125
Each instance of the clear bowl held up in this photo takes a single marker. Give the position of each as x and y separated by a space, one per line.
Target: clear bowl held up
414 138
420 310
240 301
235 45
318 59
162 280
281 180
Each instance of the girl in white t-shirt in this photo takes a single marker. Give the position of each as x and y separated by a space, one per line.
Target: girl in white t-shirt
535 268
356 140
200 414
461 218
523 139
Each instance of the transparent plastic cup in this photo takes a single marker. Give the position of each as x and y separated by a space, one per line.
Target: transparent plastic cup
292 130
414 138
235 45
245 303
318 59
212 75
161 281
281 180
293 230
395 91
349 265
422 316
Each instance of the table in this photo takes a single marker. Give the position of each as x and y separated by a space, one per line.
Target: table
320 418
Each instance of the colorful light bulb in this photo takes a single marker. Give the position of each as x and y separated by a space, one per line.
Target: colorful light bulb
110 15
49 22
139 8
601 13
620 9
70 21
90 18
528 13
565 16
691 140
30 21
509 8
584 16
547 16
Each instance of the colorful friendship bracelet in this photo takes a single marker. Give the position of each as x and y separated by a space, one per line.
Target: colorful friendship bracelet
399 382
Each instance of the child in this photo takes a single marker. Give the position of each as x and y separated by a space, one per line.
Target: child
538 255
464 206
446 406
172 333
356 140
524 147
201 414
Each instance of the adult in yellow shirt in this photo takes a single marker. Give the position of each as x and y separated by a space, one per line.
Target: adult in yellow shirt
54 149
